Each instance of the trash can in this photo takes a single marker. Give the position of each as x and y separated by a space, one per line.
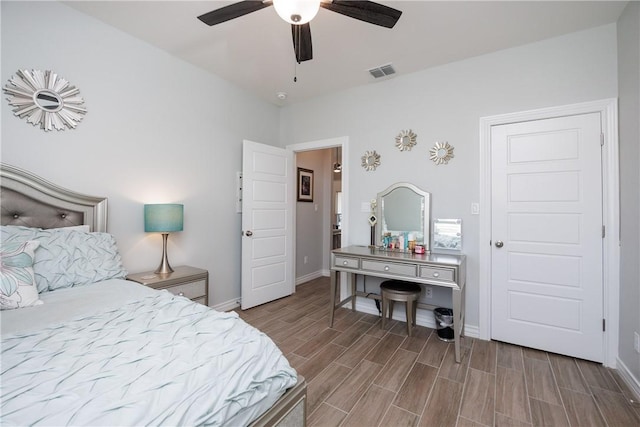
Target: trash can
444 323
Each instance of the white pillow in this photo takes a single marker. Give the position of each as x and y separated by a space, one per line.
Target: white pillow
84 228
69 257
17 281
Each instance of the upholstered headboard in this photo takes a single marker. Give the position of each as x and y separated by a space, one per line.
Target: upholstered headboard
28 200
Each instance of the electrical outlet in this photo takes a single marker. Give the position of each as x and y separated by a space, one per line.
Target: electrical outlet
636 342
306 259
428 292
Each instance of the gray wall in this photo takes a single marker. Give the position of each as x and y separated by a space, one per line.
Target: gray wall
629 104
157 130
445 104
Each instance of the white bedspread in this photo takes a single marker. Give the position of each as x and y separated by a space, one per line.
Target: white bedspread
156 360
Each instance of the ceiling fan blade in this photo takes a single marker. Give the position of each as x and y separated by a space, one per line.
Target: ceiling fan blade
302 42
232 11
367 11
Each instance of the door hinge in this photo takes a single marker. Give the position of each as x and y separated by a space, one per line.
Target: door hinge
602 139
603 231
604 328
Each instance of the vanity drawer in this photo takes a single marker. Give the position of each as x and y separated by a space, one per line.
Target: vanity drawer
191 290
408 270
437 273
347 262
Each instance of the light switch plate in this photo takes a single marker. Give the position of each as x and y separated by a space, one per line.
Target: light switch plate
238 192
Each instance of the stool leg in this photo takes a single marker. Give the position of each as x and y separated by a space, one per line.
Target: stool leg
415 306
409 316
384 311
391 309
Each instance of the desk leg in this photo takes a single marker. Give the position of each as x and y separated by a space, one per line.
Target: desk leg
352 282
332 299
457 327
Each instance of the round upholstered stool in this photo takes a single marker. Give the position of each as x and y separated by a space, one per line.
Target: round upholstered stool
396 290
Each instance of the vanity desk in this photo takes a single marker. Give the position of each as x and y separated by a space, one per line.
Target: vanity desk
432 269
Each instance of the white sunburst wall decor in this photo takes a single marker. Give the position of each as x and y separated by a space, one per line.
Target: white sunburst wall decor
45 99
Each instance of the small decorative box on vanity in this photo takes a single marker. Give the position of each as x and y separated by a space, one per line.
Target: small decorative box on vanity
190 282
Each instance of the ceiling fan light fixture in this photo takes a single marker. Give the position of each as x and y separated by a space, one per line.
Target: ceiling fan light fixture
297 11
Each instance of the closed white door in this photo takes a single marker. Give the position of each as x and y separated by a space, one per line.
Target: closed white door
547 274
267 223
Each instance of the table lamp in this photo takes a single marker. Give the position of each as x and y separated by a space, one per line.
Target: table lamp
163 218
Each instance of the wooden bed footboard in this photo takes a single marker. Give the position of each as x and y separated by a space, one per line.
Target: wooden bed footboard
289 411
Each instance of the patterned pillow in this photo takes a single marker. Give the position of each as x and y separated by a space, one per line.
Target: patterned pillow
69 257
16 275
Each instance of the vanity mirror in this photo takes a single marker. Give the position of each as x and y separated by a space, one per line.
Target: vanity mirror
404 217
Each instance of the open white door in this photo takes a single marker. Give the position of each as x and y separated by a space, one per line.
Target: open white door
268 193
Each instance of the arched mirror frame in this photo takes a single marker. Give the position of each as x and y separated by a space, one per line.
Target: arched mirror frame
426 213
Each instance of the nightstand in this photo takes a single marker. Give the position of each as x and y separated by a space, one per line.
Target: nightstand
190 282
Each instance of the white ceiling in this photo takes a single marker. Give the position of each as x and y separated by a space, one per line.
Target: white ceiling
255 51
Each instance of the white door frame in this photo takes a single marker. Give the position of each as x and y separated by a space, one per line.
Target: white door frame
342 141
608 108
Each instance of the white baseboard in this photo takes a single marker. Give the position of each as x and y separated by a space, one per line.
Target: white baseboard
423 317
231 304
228 305
307 277
628 378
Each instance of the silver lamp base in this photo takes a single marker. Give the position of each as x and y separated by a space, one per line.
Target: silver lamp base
164 267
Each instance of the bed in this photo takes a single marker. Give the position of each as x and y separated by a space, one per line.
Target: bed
83 346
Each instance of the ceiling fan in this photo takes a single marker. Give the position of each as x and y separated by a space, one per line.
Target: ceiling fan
299 12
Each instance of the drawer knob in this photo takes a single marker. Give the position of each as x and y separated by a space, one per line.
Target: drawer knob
386 268
436 274
181 294
345 262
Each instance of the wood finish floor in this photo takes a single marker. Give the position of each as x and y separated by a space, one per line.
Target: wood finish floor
360 375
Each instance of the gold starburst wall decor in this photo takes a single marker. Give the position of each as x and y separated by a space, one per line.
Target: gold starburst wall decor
441 153
370 160
405 140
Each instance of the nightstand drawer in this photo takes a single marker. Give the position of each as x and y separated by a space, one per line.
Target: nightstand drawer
191 282
390 267
201 300
191 290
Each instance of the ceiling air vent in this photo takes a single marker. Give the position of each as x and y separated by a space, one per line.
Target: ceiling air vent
382 71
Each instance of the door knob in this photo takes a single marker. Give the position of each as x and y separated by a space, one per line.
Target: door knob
499 244
248 233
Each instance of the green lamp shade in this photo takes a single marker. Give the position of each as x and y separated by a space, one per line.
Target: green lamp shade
163 218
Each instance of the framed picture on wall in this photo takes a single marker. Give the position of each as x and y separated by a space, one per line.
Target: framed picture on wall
305 185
